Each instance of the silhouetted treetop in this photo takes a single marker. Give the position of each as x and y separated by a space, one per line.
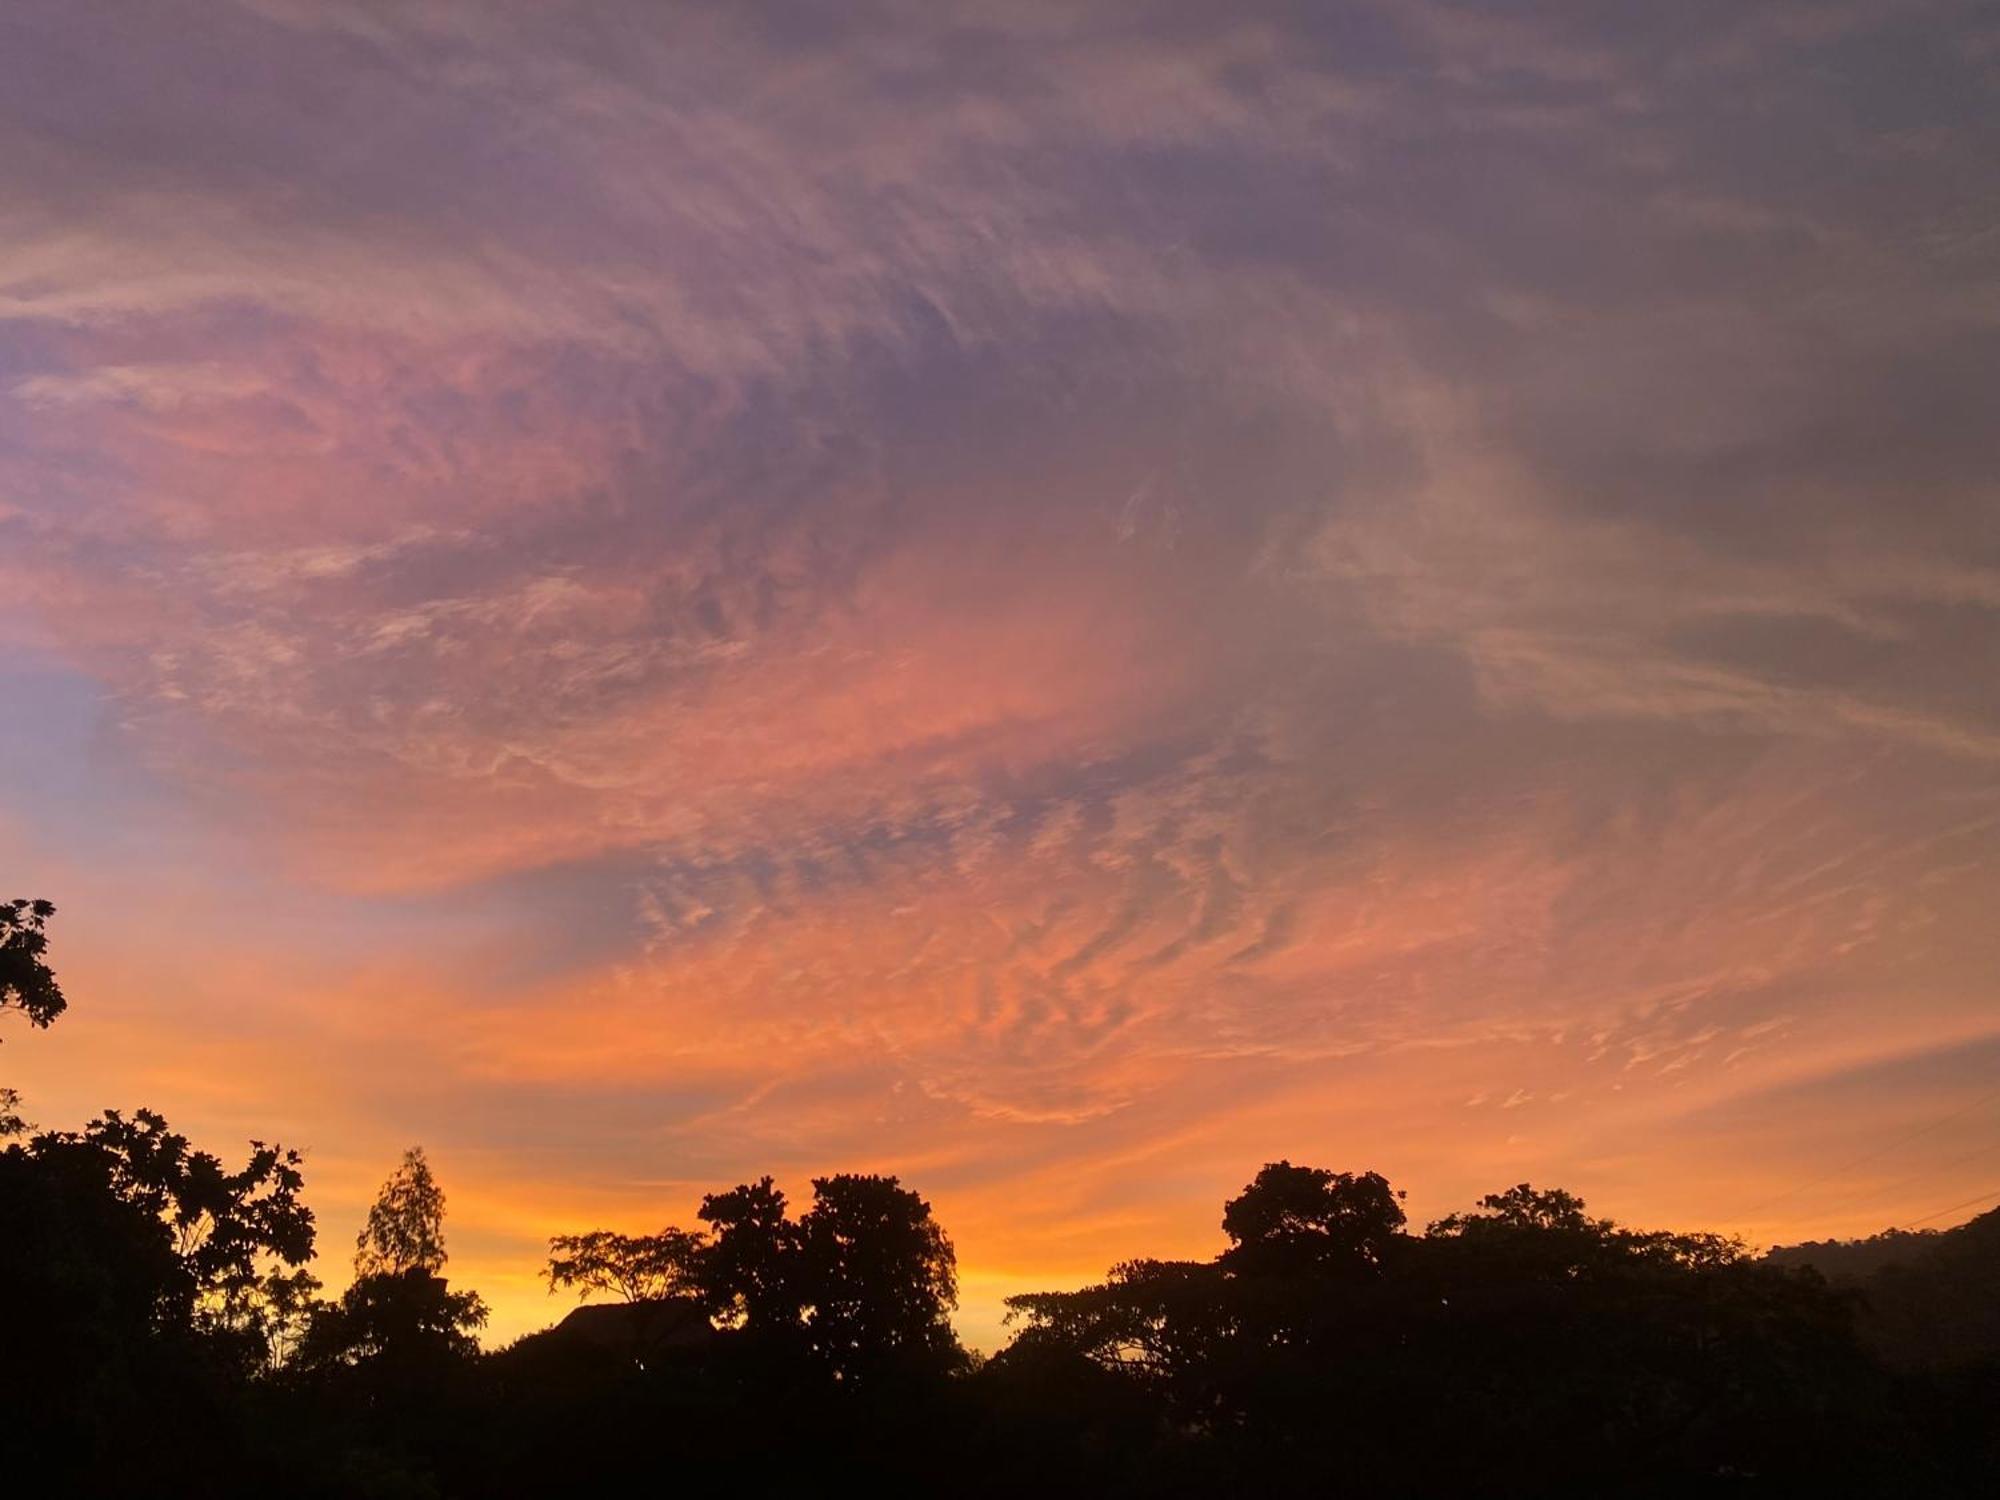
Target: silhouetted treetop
222 1221
1552 1232
408 1320
223 1227
121 1239
749 1273
1524 1207
635 1268
1153 1317
399 1328
864 1281
405 1228
27 984
1293 1220
879 1274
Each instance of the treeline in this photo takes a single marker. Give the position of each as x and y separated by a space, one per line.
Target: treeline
164 1335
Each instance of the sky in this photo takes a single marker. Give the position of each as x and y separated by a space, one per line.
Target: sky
1060 600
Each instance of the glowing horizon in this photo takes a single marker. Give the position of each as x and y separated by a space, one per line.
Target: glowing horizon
1058 601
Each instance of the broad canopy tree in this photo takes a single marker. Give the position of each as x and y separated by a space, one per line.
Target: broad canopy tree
861 1283
224 1231
136 1290
630 1267
1293 1221
880 1277
749 1273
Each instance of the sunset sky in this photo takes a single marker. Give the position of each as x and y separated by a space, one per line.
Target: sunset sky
1057 599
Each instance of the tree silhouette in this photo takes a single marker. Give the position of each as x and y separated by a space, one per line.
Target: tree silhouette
399 1324
92 1297
1929 1298
1159 1320
749 1275
221 1220
231 1230
410 1319
133 1273
27 984
405 1228
275 1313
1294 1220
634 1268
879 1274
863 1281
1523 1207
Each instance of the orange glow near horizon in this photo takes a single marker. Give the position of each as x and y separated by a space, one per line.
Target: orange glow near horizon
649 602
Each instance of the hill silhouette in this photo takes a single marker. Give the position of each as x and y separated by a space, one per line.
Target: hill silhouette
1927 1298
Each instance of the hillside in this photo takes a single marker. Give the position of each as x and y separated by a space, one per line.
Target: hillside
1929 1298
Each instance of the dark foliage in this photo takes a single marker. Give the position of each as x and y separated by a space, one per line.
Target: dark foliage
879 1279
27 984
1524 1348
749 1275
143 1288
405 1226
634 1268
1928 1299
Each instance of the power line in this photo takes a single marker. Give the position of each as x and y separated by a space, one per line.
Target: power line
1953 1209
1873 1153
1884 1194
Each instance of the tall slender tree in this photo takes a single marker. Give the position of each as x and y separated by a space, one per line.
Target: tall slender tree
399 1320
405 1228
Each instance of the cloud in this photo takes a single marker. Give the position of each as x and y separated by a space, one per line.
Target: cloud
1043 597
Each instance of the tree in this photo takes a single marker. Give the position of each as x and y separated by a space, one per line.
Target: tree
134 1278
1524 1207
399 1321
406 1322
93 1310
223 1222
635 1268
227 1231
277 1311
1294 1220
27 985
405 1228
749 1274
1160 1320
1550 1234
26 982
879 1275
